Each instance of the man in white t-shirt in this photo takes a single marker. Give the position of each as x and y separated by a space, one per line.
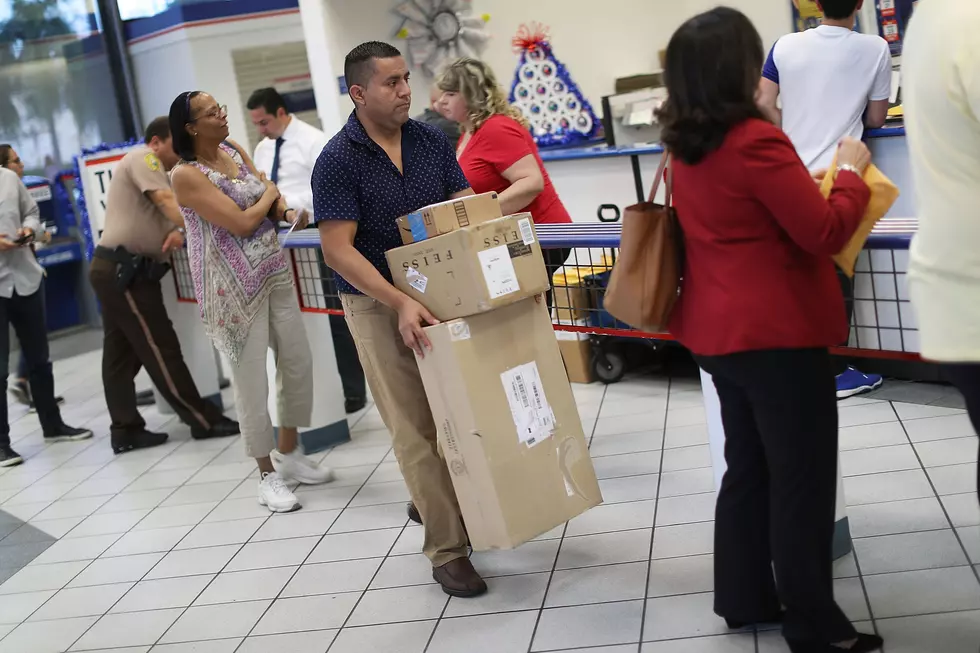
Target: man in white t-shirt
941 71
831 82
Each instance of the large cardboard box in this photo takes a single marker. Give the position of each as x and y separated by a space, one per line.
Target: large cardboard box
474 269
508 425
446 217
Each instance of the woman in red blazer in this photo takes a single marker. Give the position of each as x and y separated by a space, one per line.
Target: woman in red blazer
496 151
759 307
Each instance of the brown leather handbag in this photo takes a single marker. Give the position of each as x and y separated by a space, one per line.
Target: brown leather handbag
645 282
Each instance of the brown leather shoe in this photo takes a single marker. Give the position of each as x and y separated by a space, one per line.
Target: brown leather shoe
459 578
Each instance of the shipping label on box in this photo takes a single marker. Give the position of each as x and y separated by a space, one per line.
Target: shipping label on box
509 427
533 417
474 269
446 217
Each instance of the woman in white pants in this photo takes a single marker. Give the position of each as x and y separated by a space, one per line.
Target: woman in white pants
245 289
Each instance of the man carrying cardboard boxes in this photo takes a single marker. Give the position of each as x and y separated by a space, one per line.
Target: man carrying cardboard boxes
507 421
379 167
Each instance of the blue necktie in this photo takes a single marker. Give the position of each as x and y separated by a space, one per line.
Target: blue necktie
275 161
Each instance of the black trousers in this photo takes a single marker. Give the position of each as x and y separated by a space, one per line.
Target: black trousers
966 378
553 259
776 506
23 369
138 334
26 314
348 363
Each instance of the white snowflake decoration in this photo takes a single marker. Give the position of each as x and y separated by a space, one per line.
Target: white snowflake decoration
438 31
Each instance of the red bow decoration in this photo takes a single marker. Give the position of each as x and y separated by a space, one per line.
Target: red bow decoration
530 37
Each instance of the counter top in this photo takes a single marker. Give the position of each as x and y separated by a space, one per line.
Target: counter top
890 233
641 149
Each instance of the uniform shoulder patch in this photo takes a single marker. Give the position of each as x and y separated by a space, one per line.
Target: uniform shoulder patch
152 162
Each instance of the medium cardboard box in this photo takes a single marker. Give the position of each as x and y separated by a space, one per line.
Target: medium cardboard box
474 269
509 427
571 303
576 352
446 217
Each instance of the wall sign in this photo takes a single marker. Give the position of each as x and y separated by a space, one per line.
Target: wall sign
93 174
893 19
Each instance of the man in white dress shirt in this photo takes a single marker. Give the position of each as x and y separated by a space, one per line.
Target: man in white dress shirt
287 154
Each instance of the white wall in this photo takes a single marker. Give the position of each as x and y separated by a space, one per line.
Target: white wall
597 41
199 58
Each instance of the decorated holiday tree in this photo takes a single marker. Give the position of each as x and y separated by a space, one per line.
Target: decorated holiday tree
544 92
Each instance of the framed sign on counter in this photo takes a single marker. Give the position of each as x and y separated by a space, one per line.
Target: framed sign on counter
893 19
93 174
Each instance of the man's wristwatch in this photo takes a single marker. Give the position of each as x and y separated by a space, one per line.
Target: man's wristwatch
285 215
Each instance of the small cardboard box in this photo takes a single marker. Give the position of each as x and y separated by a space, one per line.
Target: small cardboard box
446 217
509 427
576 352
474 269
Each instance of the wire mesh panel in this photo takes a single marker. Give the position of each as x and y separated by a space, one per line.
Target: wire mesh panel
580 259
883 318
316 283
182 276
579 288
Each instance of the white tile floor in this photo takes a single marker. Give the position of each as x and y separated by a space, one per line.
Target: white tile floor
167 550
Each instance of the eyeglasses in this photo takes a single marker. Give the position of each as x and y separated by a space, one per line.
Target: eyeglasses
217 112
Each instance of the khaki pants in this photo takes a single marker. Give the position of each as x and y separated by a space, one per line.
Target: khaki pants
279 325
393 376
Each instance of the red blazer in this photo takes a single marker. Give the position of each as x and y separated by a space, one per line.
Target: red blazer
759 238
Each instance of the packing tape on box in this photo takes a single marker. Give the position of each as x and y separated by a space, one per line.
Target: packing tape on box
568 455
416 223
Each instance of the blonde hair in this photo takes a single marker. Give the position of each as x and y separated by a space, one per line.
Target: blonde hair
475 81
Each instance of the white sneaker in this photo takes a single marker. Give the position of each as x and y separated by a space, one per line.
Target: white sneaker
297 467
276 495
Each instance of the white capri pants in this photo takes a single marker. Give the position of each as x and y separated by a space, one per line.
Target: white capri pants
278 325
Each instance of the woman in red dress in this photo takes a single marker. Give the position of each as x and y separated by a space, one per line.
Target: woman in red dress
496 150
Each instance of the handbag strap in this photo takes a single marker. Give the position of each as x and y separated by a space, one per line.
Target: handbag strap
664 165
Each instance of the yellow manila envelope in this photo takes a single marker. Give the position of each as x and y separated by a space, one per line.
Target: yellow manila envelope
883 196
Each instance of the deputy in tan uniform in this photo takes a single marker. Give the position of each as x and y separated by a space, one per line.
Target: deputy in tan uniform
142 226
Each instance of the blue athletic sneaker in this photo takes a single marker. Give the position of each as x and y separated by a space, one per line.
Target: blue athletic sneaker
853 382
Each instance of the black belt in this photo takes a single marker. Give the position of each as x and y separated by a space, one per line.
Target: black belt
118 255
132 267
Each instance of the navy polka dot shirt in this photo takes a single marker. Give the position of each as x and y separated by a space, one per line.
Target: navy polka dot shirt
355 180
